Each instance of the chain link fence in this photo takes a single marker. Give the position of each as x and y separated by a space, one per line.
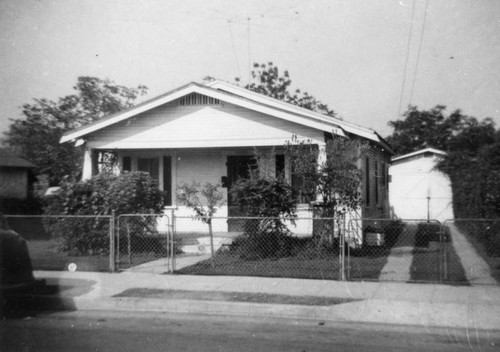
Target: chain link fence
268 247
144 243
461 251
67 242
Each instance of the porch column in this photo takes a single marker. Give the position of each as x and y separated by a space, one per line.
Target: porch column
88 164
321 161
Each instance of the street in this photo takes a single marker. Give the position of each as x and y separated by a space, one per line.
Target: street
130 331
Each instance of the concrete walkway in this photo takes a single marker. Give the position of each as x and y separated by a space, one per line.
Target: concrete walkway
164 265
471 308
476 269
399 260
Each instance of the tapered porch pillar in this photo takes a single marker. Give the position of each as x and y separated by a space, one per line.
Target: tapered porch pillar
89 164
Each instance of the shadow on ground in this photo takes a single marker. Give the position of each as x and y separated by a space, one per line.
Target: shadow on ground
53 296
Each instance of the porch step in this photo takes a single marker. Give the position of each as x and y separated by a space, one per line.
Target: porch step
203 245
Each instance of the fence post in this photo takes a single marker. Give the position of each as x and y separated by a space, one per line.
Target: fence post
112 242
342 250
172 243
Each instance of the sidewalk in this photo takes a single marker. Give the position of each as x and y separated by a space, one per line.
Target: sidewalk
465 307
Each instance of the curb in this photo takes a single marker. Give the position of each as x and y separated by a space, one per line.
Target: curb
449 315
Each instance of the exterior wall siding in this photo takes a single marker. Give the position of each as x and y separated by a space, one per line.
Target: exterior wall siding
225 125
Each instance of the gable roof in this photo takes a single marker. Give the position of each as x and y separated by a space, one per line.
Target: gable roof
418 153
8 159
241 97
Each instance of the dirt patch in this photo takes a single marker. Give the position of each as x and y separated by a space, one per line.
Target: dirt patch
233 297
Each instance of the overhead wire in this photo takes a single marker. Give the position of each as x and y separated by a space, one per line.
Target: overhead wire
422 32
408 47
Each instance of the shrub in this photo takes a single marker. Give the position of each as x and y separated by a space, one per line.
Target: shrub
270 198
103 194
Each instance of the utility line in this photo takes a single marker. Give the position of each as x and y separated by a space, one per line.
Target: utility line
419 50
408 46
234 48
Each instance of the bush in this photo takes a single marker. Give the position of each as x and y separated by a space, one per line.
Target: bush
102 195
269 198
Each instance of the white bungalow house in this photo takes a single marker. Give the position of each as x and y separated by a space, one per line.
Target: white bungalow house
208 132
417 189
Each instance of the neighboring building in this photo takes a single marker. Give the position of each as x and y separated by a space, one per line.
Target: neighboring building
208 133
14 176
417 189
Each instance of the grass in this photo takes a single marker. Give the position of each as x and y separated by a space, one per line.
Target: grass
233 297
45 256
366 266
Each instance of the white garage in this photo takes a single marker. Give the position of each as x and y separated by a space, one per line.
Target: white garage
417 190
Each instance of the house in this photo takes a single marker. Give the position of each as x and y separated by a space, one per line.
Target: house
208 132
15 176
418 190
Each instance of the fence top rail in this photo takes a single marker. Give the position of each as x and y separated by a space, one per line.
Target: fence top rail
253 218
432 221
59 216
472 220
143 215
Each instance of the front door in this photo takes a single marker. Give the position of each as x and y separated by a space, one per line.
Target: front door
238 167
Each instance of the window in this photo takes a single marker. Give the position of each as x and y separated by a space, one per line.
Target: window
280 165
149 165
302 191
127 163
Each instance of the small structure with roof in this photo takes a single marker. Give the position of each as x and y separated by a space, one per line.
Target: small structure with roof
14 176
418 190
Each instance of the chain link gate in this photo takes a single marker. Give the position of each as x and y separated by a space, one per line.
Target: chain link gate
394 250
144 243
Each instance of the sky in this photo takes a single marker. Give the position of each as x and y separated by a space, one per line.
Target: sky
366 59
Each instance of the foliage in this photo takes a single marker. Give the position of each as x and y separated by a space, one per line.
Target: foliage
473 165
35 137
336 179
424 129
205 208
102 195
268 80
333 181
270 198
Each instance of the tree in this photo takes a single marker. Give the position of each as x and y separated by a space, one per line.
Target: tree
424 129
473 165
335 180
205 208
268 80
35 137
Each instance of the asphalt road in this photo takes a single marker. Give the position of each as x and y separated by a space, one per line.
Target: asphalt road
113 331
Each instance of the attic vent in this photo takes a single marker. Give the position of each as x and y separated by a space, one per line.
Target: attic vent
198 99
